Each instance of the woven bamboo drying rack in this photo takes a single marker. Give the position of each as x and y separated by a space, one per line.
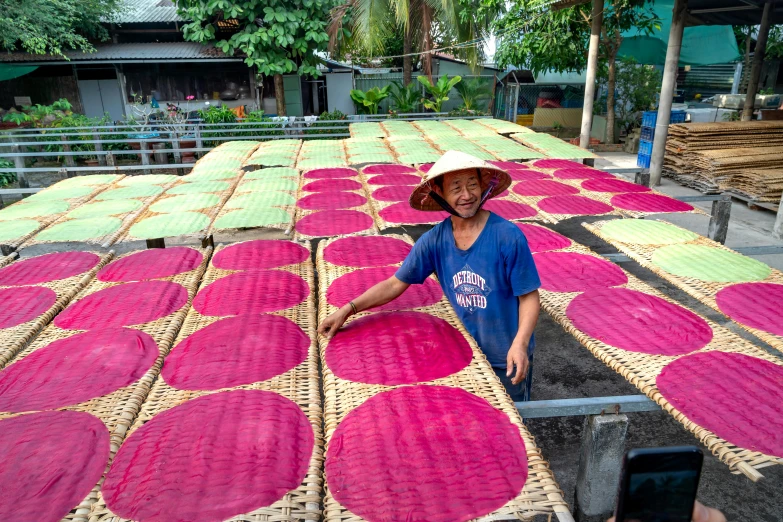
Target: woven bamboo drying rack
250 164
5 260
366 207
533 201
304 157
118 409
540 496
46 221
641 369
353 158
567 151
540 214
704 291
272 231
13 339
127 219
300 384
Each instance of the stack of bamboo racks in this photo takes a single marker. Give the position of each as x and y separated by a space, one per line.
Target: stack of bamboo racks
741 157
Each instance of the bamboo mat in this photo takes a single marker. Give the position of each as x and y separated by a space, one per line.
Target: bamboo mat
300 385
322 153
274 153
367 129
554 217
6 260
39 223
540 495
118 409
13 339
551 146
704 291
364 150
513 196
303 233
642 369
503 126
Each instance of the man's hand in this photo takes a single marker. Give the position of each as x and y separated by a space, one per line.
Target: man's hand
334 322
701 513
517 357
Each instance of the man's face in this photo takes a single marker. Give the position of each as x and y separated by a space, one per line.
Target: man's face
462 190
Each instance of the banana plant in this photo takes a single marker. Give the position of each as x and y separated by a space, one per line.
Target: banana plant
473 91
439 91
406 98
368 101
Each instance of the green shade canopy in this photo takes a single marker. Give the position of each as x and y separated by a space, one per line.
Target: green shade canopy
9 72
80 229
645 232
168 225
709 264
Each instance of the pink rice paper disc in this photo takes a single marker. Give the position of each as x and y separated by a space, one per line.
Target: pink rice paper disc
236 351
51 461
331 200
402 213
612 185
409 445
332 185
527 175
638 322
252 292
124 305
510 209
334 223
394 179
558 164
582 173
541 239
649 203
508 165
425 167
152 264
574 272
330 173
407 348
260 254
211 458
364 251
737 397
76 369
47 268
573 205
757 305
21 305
388 169
544 188
393 193
353 284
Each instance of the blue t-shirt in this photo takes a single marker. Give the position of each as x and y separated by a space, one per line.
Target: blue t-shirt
482 283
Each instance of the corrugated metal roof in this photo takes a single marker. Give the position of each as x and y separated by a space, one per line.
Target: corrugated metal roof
148 11
162 51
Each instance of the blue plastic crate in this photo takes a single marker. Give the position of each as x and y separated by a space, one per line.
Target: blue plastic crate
648 133
572 104
649 118
645 147
643 161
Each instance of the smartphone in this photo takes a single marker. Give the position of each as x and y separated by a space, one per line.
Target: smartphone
659 484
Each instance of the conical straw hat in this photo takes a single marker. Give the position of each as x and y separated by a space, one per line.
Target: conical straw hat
456 161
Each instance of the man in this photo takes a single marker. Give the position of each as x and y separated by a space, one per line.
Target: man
482 261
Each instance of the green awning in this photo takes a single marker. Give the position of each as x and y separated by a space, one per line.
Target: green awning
701 45
9 72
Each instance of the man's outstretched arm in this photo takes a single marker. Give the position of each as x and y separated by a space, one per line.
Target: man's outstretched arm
378 295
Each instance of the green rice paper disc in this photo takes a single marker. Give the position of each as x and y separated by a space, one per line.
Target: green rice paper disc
709 264
32 210
267 184
199 187
186 202
85 181
210 175
645 232
80 229
253 217
10 230
134 191
148 179
168 225
320 163
106 208
273 173
282 160
261 200
60 193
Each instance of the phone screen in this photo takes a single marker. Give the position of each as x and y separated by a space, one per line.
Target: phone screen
659 485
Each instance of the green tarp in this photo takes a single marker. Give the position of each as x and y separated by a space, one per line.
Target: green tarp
701 45
9 72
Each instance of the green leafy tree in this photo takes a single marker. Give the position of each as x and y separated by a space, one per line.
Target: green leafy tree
54 26
405 98
473 92
277 37
439 91
368 101
636 90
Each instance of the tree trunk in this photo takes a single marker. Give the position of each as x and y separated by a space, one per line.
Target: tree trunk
610 86
426 31
407 61
280 94
746 62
